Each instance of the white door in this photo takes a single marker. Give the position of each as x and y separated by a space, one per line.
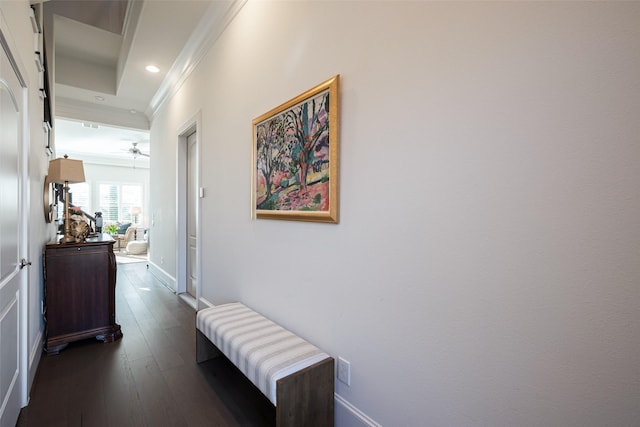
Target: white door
12 241
192 208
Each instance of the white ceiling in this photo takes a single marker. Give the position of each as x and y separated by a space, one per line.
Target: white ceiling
100 144
100 50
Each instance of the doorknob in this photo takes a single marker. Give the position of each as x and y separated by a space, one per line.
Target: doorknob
24 263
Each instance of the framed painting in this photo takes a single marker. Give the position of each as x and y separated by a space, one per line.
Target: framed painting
295 157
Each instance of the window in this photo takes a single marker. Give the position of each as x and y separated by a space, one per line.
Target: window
117 200
80 196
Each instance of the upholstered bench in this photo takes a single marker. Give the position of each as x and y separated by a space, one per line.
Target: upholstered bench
296 376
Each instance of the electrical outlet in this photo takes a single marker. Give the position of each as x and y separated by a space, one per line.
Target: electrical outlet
344 371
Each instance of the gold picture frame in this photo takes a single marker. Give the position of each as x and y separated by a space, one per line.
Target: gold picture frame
296 157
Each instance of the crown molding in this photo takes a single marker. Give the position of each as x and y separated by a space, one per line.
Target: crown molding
211 26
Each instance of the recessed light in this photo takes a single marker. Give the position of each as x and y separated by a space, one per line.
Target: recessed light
132 111
99 98
152 69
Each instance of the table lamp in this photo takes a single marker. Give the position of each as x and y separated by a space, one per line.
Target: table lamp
135 211
66 171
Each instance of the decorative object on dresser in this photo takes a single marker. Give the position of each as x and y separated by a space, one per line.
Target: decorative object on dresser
78 223
98 222
79 292
80 230
65 170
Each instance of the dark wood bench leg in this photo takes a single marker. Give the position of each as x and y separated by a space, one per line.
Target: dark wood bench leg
305 398
205 350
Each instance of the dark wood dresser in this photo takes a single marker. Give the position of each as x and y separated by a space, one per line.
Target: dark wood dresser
79 289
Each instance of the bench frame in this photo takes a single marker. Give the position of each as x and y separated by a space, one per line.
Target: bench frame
305 398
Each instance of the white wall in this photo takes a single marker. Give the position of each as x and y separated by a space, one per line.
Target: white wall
485 269
16 24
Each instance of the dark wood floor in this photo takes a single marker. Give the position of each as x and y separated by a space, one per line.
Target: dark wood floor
149 377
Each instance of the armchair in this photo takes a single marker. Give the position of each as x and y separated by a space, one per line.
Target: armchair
138 246
129 236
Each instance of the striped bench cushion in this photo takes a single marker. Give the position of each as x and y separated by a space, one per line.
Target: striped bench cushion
261 349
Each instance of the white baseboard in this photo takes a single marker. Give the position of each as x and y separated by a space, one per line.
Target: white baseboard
189 300
164 277
348 415
205 303
34 360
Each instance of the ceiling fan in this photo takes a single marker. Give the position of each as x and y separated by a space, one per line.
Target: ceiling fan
136 151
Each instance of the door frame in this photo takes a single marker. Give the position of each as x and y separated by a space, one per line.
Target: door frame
24 245
194 124
6 45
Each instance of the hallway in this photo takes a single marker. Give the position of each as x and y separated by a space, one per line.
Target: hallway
149 377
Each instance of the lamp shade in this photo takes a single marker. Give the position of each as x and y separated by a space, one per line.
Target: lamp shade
136 210
63 169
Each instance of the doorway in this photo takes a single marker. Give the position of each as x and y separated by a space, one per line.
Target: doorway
192 209
189 193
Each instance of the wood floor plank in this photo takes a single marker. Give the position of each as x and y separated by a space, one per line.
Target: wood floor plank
159 407
147 378
135 343
121 391
165 355
201 408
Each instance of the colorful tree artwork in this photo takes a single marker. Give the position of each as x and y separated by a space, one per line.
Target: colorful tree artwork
296 157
